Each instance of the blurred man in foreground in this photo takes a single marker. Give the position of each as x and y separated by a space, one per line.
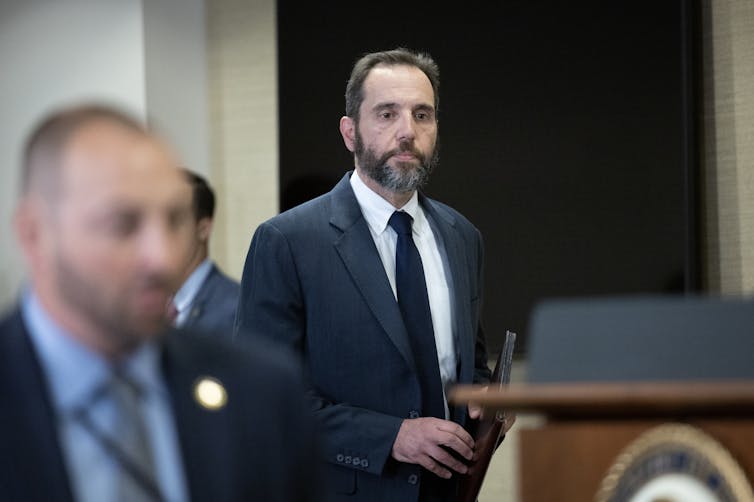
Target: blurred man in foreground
100 401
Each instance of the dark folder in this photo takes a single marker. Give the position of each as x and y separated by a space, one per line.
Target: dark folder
489 431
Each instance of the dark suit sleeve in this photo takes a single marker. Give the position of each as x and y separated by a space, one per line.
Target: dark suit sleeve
272 305
481 369
270 302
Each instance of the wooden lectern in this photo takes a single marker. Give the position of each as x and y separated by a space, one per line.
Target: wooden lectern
583 449
643 399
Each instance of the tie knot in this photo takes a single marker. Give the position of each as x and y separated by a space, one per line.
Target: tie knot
401 222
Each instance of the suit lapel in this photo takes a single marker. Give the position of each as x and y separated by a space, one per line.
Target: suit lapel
360 257
39 455
203 434
458 282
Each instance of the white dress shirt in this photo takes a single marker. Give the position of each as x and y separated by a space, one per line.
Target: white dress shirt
377 212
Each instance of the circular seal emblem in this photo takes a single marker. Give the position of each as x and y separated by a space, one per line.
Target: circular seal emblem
675 463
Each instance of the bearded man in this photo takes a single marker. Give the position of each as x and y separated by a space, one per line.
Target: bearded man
378 289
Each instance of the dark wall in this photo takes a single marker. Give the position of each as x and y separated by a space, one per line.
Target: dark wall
564 129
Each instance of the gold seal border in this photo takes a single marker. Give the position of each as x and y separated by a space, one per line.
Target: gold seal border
684 436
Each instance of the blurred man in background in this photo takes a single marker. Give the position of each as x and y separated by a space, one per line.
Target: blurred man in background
207 298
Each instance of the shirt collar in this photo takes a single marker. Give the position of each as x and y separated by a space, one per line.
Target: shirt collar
377 211
191 286
74 373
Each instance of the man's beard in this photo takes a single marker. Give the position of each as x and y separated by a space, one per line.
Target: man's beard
405 177
112 317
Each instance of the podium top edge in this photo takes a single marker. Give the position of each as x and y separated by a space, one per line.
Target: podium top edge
728 397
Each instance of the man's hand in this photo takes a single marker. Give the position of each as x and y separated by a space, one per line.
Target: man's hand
476 412
424 441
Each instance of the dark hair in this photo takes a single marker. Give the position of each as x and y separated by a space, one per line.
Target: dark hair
203 197
395 57
44 145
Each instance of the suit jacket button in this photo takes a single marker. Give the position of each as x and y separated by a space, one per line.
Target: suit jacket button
339 457
348 459
413 479
364 463
413 414
356 461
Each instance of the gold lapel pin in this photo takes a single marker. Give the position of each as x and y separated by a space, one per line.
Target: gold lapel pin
210 393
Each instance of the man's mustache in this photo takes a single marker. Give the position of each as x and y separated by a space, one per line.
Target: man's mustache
403 148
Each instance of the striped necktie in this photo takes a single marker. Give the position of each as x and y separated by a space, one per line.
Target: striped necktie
136 476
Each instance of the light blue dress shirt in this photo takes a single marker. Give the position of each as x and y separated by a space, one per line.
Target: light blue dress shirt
74 374
186 294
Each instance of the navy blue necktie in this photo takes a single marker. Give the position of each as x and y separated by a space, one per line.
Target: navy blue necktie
417 317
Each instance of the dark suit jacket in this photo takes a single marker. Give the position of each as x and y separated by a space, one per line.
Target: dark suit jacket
214 307
260 446
313 280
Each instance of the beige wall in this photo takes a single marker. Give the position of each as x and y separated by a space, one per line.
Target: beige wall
243 123
728 155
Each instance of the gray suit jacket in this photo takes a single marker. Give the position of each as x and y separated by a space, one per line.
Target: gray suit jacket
214 307
313 280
